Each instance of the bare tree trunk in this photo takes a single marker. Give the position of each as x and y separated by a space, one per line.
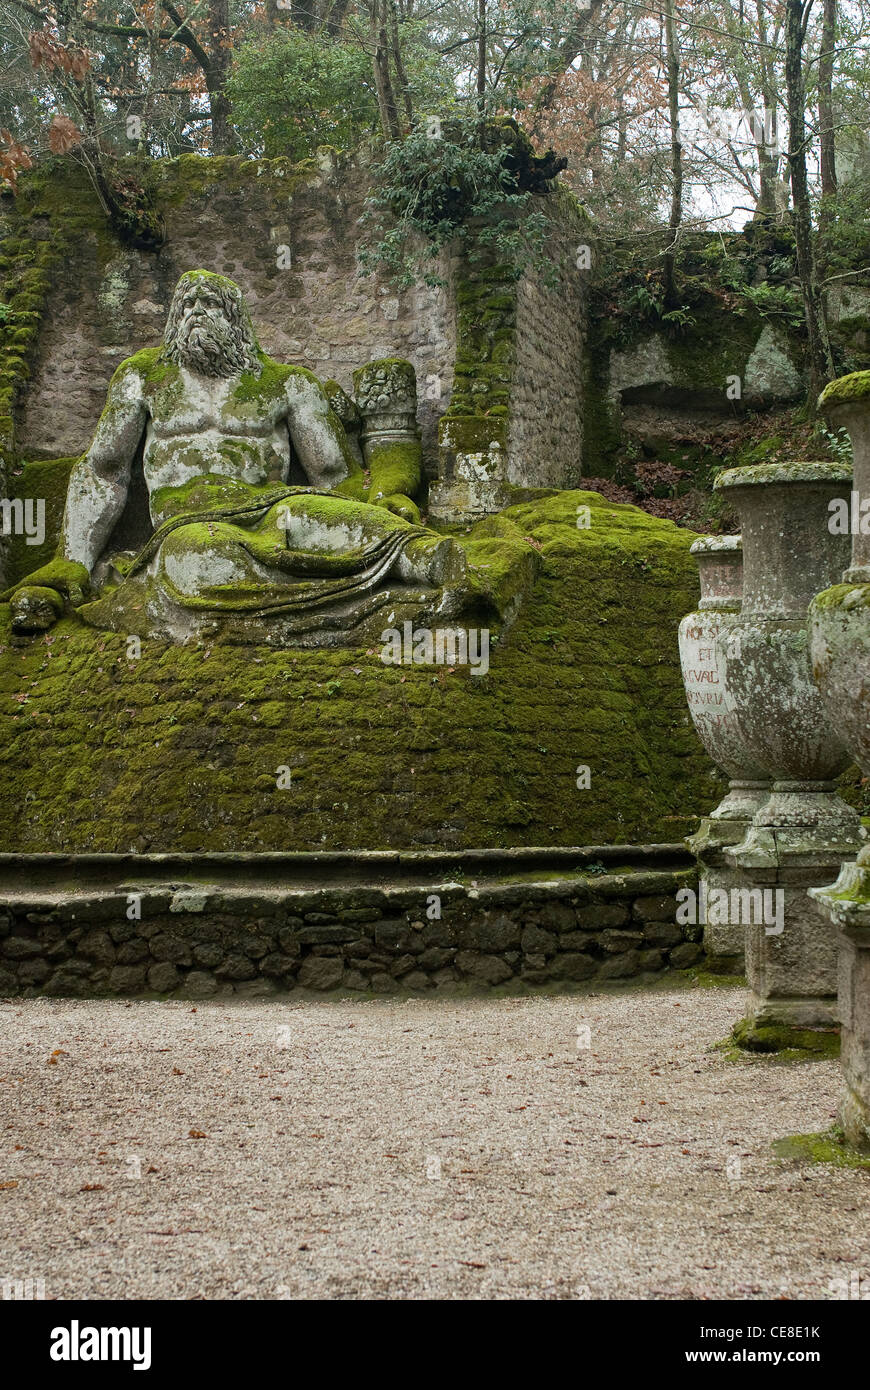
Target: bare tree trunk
826 100
818 346
481 58
676 217
303 13
216 74
399 66
335 17
381 72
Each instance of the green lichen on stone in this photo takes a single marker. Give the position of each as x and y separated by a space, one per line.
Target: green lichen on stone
190 176
828 1147
846 596
845 389
793 472
713 978
808 1043
47 479
181 748
43 230
486 305
395 469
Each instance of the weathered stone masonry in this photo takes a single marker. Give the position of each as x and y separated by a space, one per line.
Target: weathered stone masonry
198 940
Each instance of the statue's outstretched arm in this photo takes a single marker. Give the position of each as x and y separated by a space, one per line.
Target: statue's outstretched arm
99 481
317 433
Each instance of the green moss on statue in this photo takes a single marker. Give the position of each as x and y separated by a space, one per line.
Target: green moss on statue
179 749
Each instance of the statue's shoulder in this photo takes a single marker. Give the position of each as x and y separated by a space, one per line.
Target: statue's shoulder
145 371
272 379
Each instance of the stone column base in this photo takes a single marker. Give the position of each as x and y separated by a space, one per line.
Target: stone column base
723 942
724 827
795 843
846 904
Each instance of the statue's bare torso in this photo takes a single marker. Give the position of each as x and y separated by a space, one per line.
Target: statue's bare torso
207 433
237 428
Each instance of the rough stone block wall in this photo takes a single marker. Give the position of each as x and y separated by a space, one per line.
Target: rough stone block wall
545 439
194 945
230 216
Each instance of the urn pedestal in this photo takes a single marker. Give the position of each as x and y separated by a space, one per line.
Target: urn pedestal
840 650
720 569
804 830
386 398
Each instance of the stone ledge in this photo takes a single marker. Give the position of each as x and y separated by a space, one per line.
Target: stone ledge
215 938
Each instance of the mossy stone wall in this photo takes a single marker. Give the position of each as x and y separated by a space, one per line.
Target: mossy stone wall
548 397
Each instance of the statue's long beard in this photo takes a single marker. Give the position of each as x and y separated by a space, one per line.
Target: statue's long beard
209 345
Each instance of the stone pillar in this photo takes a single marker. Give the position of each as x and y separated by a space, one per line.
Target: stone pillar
720 567
804 830
386 396
472 481
840 650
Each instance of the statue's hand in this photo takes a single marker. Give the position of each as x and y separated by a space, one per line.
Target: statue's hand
35 609
39 600
398 504
65 577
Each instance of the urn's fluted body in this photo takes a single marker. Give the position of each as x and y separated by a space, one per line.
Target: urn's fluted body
788 554
702 637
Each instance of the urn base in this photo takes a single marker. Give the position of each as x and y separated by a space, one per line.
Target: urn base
796 842
741 803
846 904
724 827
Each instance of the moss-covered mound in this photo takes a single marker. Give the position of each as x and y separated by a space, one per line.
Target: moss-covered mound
47 481
181 749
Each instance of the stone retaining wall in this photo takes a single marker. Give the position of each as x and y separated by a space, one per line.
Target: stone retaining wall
198 940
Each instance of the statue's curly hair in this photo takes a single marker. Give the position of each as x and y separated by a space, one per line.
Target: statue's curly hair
239 351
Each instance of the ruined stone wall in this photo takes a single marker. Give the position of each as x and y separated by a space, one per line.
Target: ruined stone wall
545 439
516 413
503 360
230 216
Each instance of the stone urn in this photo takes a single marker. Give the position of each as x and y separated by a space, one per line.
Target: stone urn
720 570
840 651
804 829
386 397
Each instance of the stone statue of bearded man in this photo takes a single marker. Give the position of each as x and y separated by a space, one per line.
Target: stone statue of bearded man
236 546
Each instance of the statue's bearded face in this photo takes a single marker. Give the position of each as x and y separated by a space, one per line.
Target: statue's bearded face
207 331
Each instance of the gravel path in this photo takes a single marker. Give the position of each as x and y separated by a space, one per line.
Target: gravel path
638 1167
